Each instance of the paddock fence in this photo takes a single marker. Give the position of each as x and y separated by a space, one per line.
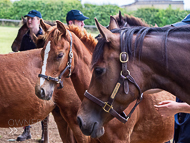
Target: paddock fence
10 22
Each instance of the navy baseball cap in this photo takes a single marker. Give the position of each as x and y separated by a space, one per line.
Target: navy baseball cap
75 15
184 22
34 13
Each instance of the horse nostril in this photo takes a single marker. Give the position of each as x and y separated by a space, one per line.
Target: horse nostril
42 92
79 122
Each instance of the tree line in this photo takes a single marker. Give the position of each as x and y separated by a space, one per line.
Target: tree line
57 10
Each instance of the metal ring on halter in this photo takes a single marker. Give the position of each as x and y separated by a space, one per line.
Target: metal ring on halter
123 75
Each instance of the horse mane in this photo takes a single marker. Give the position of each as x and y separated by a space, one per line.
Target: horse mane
84 36
56 34
132 21
140 32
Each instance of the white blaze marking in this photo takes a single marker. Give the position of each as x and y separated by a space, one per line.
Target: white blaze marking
46 53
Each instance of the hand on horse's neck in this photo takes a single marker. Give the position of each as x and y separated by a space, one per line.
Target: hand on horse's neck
35 31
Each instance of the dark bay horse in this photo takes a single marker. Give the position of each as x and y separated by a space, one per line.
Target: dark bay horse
22 30
141 58
145 125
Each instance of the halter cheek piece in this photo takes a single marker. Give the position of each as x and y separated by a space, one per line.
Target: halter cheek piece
58 79
124 78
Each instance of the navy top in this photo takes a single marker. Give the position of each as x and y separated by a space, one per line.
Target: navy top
27 43
182 127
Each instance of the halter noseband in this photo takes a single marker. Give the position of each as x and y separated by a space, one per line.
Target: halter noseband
58 79
124 78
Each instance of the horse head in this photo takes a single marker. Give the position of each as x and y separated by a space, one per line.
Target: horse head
109 93
56 55
17 42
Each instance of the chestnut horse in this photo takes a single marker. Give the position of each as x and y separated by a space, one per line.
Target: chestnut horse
145 125
163 63
19 105
67 135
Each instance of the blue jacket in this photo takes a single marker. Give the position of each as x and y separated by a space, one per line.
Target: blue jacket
182 127
27 43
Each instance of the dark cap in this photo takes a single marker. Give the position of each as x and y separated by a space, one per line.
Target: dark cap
34 13
184 22
75 15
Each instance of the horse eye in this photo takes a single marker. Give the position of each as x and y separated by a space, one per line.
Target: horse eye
99 71
60 55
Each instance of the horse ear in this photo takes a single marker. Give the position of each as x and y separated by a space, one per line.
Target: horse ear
107 34
61 27
113 24
23 19
120 16
44 26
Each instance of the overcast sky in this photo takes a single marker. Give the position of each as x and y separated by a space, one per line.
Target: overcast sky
124 2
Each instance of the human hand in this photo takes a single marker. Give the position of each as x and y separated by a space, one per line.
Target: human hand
167 108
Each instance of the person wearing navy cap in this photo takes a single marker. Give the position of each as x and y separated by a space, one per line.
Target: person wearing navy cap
184 22
76 17
33 24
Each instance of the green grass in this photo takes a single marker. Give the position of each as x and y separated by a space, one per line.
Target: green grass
7 36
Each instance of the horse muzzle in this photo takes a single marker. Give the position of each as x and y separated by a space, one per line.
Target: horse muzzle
92 129
42 93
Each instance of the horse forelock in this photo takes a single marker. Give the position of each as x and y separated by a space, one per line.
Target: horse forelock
53 34
98 51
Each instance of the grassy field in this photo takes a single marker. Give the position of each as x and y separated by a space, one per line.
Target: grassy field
7 36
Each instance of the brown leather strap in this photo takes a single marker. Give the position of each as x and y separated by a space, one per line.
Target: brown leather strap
109 109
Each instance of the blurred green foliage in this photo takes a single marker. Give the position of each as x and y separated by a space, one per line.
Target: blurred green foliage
57 10
160 16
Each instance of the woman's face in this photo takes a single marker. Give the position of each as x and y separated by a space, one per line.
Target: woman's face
33 22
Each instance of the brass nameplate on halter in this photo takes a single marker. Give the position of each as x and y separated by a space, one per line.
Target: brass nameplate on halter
115 90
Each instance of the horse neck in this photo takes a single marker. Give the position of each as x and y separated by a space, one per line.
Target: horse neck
167 71
81 73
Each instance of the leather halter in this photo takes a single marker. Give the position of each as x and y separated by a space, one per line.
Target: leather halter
58 79
124 78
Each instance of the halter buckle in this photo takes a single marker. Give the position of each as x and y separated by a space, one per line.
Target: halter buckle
71 54
110 107
122 61
59 80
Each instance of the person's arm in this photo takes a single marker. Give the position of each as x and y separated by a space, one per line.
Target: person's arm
170 108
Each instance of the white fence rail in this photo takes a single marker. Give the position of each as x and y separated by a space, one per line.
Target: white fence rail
19 22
